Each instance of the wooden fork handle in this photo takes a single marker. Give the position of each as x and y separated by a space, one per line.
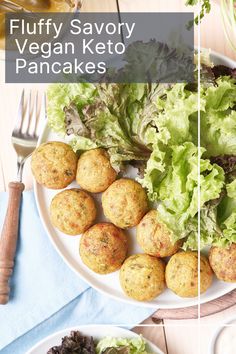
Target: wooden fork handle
8 240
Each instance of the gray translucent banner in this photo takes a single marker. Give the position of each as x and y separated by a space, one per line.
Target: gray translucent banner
99 47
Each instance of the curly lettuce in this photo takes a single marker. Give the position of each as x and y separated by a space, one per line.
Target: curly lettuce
118 117
60 96
218 118
173 179
136 345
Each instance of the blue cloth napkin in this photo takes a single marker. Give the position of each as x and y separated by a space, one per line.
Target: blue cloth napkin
46 295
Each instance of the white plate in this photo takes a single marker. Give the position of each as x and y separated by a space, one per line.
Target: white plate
68 246
216 343
97 332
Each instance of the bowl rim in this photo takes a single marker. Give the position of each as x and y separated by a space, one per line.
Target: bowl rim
218 331
121 330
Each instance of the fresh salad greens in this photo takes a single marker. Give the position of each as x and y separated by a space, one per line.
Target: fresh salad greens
75 343
155 127
109 345
121 118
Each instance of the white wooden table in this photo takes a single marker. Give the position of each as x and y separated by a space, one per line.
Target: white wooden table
178 337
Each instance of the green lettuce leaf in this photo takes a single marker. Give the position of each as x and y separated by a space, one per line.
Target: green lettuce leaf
226 217
172 178
231 189
60 96
176 120
119 117
218 118
135 345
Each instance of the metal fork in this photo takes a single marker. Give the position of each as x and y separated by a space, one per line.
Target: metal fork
24 139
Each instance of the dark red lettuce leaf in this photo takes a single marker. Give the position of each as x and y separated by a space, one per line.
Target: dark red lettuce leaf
222 70
228 163
75 343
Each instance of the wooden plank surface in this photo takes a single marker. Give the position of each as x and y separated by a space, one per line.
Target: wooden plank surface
210 323
207 309
8 111
156 6
153 6
99 6
9 100
2 180
212 33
